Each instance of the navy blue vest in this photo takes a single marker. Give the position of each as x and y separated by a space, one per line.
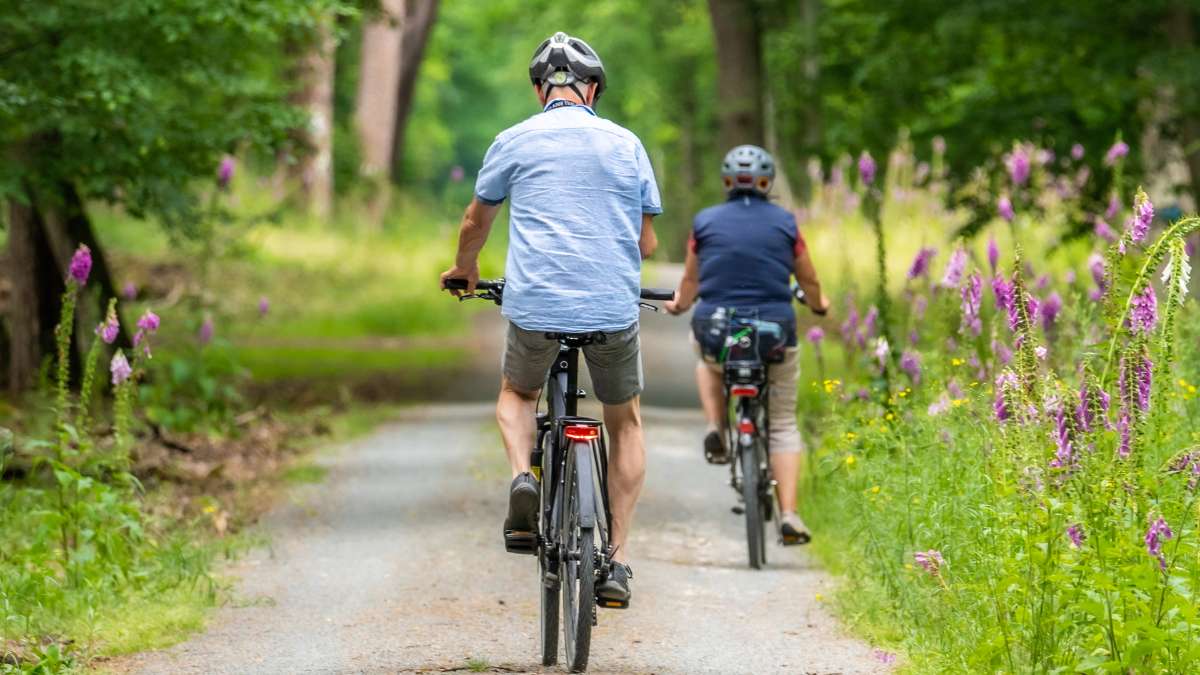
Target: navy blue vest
747 253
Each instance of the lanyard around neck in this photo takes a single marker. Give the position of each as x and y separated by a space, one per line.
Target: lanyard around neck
564 103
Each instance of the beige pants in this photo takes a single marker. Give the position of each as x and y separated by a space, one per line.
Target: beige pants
783 378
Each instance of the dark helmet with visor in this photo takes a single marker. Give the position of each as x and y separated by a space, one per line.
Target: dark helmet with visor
748 168
565 61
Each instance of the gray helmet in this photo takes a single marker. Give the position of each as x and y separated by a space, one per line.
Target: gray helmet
748 168
563 61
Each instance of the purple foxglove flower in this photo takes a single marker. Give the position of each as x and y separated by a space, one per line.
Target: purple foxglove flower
264 306
815 335
1156 534
1075 534
148 322
1116 152
1098 269
1077 152
1143 374
1069 277
1018 166
1143 312
882 656
952 277
910 363
1125 430
939 145
882 350
1004 381
1045 156
914 338
1104 230
939 406
1050 308
931 561
225 171
1040 352
81 264
205 334
1003 290
993 253
119 367
870 320
849 327
1064 454
922 173
109 330
920 263
457 173
954 388
129 291
866 168
972 301
1114 207
1082 176
920 304
1143 215
1004 207
1002 352
1042 282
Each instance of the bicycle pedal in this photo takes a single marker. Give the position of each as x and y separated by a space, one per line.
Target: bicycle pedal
612 604
739 509
522 543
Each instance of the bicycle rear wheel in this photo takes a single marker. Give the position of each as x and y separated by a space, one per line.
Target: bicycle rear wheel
579 568
752 496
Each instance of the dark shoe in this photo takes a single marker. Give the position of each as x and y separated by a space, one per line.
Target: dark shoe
614 591
792 530
521 525
714 448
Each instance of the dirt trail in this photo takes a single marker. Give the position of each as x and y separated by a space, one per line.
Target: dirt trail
395 565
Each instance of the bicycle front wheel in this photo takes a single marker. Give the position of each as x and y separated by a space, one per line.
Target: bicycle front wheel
754 503
579 568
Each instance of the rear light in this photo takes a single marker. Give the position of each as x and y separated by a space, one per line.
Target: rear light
581 432
744 390
746 426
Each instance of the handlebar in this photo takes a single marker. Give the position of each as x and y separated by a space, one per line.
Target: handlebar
493 289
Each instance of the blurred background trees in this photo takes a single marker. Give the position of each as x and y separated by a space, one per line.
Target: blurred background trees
367 107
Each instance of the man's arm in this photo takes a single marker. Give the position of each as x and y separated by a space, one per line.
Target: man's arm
472 234
689 286
649 241
806 276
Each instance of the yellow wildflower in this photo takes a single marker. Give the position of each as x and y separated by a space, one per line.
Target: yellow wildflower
850 460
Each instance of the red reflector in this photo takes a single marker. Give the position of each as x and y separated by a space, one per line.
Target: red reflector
581 432
744 390
746 426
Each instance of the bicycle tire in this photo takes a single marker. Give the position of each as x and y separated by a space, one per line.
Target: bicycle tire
752 497
579 568
550 590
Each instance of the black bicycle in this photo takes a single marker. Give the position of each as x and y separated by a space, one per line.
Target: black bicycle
570 460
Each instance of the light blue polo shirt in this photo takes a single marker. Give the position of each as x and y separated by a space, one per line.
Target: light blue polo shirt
578 186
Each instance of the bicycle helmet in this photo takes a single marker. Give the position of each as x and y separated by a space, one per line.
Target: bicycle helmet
564 61
748 168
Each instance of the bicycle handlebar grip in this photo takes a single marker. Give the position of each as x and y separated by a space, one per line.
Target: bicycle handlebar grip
481 285
657 294
455 284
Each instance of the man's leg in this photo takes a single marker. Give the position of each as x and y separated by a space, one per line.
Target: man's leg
710 384
785 466
626 468
786 445
515 413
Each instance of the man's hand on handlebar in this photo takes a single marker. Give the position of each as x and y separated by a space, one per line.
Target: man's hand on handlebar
471 275
823 309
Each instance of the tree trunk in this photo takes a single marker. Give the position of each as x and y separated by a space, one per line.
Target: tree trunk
312 168
379 77
417 26
27 250
1181 36
739 73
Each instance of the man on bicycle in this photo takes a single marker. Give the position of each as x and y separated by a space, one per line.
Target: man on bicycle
741 255
582 198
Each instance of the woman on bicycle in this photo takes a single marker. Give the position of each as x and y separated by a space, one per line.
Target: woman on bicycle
741 255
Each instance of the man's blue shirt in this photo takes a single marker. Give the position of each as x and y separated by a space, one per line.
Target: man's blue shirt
578 186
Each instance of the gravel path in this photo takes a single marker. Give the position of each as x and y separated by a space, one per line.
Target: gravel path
395 564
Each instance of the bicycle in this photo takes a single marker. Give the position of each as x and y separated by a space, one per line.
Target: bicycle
570 460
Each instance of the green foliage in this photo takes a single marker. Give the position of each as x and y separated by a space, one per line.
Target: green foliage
1017 473
134 102
194 389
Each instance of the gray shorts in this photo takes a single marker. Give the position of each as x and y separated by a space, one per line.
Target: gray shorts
615 366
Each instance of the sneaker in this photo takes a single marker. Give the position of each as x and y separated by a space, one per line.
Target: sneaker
521 525
792 530
714 448
614 590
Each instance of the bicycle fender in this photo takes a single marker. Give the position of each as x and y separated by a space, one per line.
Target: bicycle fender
587 484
